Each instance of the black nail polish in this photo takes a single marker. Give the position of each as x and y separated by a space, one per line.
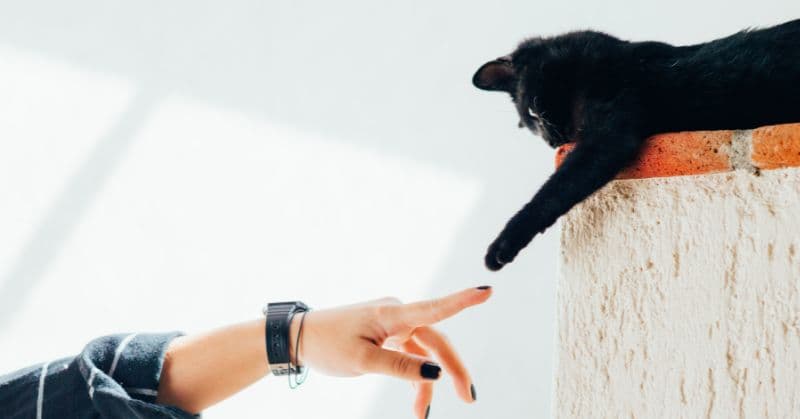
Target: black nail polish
427 411
472 391
484 287
430 371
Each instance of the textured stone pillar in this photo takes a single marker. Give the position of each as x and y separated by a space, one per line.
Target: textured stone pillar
679 297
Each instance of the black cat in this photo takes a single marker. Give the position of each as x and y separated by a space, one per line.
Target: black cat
609 95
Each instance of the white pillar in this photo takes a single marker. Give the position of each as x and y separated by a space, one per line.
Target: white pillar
680 298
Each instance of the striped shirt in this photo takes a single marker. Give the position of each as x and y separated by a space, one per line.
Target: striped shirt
113 377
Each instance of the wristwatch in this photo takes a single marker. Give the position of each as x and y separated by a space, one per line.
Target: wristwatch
279 320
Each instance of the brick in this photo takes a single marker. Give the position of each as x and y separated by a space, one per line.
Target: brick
776 146
562 152
683 153
675 154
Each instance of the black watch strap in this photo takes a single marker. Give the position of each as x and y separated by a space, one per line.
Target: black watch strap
279 320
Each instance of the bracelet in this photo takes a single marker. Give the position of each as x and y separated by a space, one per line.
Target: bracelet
296 380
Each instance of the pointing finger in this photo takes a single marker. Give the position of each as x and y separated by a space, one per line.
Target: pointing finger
428 312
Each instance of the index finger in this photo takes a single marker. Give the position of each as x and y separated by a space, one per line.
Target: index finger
424 313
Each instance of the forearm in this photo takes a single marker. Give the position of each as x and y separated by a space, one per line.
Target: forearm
204 369
201 370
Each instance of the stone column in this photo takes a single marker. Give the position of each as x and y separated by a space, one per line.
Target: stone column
679 296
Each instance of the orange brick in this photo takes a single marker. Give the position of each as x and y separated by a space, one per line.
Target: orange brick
676 154
682 153
776 146
562 152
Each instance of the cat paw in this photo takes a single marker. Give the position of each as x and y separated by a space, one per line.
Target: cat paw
492 263
499 254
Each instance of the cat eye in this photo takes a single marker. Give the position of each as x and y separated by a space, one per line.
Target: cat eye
533 114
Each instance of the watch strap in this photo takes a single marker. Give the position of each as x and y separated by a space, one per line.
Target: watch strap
277 335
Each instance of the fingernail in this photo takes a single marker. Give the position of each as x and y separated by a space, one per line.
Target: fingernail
472 391
427 411
484 287
430 371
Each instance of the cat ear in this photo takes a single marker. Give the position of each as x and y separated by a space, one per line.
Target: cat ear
496 75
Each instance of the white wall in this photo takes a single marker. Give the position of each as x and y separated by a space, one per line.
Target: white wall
679 298
209 157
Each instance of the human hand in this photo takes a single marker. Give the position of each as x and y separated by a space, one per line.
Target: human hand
390 338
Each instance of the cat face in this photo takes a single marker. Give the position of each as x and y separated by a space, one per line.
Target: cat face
521 76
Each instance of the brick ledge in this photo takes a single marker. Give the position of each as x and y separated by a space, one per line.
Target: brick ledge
699 152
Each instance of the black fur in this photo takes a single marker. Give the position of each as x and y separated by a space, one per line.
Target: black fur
609 95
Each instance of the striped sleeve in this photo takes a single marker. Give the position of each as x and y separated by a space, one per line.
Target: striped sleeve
113 377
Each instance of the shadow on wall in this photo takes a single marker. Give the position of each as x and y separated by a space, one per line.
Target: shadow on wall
390 79
65 212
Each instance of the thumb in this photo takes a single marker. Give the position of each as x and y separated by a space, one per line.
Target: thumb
401 365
